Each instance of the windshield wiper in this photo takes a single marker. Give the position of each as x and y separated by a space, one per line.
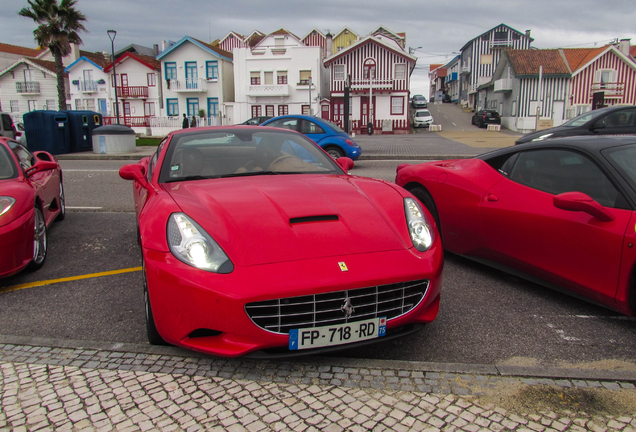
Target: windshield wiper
251 173
194 177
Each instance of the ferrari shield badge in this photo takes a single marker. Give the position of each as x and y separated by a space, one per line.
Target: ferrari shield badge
343 266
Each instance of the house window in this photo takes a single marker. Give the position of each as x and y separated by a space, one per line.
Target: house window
152 80
513 110
15 105
400 71
485 59
172 106
213 106
33 105
116 78
397 105
269 110
89 104
305 76
255 78
149 109
171 70
283 110
279 41
305 110
268 78
282 77
501 36
368 70
485 37
257 110
78 105
339 72
193 106
212 70
516 36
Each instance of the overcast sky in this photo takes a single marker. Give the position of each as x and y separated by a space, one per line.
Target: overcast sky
439 27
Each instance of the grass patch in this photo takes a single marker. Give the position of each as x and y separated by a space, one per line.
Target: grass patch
147 141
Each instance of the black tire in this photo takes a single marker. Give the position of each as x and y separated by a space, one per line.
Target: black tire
334 152
151 330
425 198
61 203
40 241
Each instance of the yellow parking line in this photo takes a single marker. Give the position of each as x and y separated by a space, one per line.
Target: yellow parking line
67 279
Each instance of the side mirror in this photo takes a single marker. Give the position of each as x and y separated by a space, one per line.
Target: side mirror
578 201
40 166
345 163
134 172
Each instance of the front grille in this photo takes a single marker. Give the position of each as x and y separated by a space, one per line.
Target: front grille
391 301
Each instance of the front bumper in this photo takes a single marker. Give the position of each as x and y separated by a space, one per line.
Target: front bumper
205 312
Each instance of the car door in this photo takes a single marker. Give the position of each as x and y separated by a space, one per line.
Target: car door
312 130
617 122
527 232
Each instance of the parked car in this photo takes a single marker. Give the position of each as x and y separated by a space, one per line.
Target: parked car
326 134
254 239
419 101
256 120
617 120
422 118
20 134
7 128
31 198
559 212
484 117
446 98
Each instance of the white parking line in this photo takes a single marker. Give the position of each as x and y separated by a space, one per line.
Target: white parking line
85 170
83 208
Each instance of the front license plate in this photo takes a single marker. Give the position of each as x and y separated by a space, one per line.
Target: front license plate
316 337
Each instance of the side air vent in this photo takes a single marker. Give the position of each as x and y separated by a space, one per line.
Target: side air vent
313 219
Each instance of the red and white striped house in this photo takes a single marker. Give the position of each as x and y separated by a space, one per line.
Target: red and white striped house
379 70
234 40
316 38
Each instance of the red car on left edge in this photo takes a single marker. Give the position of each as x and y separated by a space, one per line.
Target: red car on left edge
255 241
31 198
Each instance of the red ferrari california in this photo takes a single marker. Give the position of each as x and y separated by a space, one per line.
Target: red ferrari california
31 198
558 212
254 241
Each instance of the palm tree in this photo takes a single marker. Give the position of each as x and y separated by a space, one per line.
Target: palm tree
58 25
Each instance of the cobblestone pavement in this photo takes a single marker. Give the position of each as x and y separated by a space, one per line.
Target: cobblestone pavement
46 388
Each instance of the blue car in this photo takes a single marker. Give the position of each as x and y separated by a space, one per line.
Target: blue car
336 142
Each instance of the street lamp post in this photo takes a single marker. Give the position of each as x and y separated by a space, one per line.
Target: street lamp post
111 35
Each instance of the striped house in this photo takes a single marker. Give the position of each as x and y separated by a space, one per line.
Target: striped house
379 71
316 38
234 40
480 57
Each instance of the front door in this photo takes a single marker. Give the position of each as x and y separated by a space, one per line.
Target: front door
366 111
126 113
325 112
558 108
102 106
337 109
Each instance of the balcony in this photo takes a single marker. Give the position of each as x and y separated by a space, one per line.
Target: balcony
267 90
375 84
503 85
88 86
610 90
28 87
188 85
472 88
451 77
132 92
465 70
500 43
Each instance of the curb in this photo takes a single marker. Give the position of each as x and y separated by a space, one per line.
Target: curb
458 368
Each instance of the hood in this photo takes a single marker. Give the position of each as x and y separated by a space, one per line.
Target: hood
268 219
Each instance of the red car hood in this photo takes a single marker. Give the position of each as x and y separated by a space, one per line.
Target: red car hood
256 220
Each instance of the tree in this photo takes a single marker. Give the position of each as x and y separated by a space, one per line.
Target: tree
58 27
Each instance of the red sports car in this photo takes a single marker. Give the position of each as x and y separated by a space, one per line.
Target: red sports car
31 198
558 212
254 241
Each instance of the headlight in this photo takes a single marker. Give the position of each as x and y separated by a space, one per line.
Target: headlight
419 228
542 137
190 243
6 203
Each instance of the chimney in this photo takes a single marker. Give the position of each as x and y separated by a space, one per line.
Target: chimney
75 52
527 33
155 49
329 44
163 46
624 46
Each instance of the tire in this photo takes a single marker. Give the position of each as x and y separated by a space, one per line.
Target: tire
425 198
40 241
61 203
154 338
334 152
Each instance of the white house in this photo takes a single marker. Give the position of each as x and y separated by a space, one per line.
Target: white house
196 76
28 84
279 75
138 90
89 83
9 54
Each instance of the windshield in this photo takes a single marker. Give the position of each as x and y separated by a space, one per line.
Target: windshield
583 118
422 114
244 152
8 168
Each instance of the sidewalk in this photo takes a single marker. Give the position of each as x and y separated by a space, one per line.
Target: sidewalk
91 386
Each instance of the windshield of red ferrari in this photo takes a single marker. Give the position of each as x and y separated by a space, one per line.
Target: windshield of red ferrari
244 152
8 168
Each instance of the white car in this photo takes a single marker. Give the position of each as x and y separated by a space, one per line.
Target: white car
422 118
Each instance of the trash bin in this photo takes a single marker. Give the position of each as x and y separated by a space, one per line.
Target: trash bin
81 126
370 128
48 131
113 139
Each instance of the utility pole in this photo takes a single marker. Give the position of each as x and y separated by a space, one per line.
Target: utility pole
346 103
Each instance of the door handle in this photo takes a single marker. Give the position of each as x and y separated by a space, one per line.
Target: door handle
492 197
